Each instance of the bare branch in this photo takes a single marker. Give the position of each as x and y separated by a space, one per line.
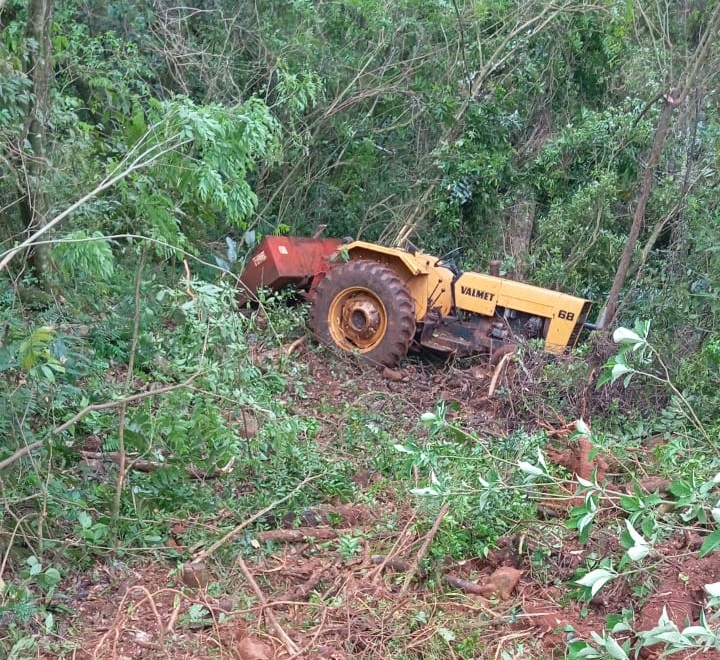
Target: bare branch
202 556
123 169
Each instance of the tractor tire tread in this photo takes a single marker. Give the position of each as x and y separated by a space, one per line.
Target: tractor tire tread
388 287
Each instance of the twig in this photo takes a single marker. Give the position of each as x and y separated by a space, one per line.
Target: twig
201 556
289 644
116 628
152 153
302 534
114 404
170 627
466 585
20 453
375 573
122 465
498 370
94 408
394 564
188 289
424 548
294 346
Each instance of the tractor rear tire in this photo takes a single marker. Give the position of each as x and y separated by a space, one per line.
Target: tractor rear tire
364 308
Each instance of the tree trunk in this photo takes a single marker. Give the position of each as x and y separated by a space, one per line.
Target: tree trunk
521 221
34 205
670 101
504 52
607 316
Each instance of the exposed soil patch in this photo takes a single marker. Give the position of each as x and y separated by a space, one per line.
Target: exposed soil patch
680 594
337 583
361 605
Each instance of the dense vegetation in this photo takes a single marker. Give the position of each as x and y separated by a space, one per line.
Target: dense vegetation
146 146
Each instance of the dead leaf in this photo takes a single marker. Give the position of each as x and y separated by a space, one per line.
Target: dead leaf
251 648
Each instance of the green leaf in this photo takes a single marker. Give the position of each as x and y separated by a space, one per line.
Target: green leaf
712 589
429 491
615 650
596 579
51 577
641 548
626 336
25 644
619 369
83 517
529 468
710 543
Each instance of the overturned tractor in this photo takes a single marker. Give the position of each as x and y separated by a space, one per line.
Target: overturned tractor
376 301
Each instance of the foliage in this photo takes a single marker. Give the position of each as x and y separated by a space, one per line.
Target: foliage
487 494
369 117
83 255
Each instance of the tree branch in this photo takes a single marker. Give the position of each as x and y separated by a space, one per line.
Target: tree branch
202 556
94 408
145 159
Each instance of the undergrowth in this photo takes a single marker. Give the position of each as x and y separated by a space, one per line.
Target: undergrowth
132 420
205 429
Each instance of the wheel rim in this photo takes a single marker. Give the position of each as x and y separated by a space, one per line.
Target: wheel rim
357 319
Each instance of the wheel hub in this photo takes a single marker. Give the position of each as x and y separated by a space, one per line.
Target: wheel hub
357 319
360 319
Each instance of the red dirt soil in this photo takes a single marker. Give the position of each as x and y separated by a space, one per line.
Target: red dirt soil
318 604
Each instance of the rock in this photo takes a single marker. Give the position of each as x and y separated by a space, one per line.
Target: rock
501 583
195 575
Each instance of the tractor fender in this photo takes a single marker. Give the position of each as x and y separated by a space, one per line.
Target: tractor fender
429 285
400 261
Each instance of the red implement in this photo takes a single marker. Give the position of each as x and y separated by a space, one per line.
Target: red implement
280 261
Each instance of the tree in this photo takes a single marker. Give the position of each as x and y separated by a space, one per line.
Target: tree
38 68
671 98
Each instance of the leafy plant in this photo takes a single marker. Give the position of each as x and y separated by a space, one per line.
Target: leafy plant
635 358
84 255
35 356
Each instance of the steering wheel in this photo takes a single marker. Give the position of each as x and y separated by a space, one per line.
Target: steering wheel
450 260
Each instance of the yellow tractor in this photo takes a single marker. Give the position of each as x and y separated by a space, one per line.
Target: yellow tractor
376 301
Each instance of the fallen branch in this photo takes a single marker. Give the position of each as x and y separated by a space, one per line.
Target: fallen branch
496 374
305 589
466 585
399 565
294 346
375 574
424 548
278 629
200 556
301 534
94 407
140 465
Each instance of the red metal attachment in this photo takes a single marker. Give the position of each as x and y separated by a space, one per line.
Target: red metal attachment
282 260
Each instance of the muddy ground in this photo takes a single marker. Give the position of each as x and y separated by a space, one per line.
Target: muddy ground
306 600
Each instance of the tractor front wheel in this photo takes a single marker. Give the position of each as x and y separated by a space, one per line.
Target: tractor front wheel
364 307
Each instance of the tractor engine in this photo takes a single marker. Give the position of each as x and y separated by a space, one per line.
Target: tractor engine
466 334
